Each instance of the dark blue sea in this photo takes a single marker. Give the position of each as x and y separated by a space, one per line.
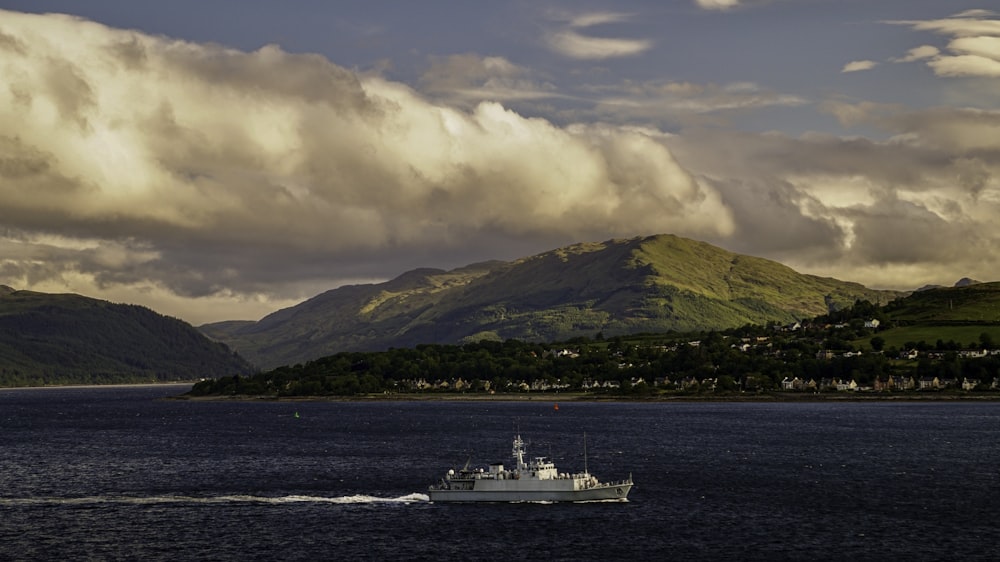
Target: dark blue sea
120 474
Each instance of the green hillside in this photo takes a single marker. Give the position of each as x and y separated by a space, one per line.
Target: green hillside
959 314
617 287
71 339
972 304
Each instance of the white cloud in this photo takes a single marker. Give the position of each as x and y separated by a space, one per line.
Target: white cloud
575 45
468 79
956 26
973 51
717 4
212 183
966 65
859 65
726 5
827 204
208 178
983 47
686 102
598 18
975 13
571 43
919 53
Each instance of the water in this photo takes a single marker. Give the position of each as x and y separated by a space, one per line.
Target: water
115 474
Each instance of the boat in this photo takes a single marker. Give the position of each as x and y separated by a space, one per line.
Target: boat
536 480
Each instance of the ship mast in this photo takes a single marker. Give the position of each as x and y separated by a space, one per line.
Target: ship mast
518 452
585 469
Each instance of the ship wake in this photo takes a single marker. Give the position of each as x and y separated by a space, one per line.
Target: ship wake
238 498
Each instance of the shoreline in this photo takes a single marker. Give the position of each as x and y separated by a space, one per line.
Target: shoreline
555 398
545 397
96 386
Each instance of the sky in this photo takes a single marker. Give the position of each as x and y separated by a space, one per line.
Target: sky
222 159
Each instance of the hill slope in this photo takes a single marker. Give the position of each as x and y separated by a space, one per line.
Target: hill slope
963 304
71 339
657 283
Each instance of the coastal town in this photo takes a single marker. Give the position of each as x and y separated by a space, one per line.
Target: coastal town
843 358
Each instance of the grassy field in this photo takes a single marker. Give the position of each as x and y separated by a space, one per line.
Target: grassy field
963 335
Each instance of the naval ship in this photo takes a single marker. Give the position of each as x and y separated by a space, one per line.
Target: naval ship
535 481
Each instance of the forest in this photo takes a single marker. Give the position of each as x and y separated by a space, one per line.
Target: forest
750 359
68 339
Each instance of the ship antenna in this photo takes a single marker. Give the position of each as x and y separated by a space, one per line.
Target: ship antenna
585 469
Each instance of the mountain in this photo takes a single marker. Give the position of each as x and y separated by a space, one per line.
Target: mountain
964 304
650 284
963 282
71 339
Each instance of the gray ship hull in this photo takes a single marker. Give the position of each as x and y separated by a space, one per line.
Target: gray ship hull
618 492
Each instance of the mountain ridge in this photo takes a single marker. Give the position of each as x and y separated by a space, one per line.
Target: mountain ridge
619 286
72 339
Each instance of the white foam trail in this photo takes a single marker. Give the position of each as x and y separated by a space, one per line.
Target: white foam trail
152 500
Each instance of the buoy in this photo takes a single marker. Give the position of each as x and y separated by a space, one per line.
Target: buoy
556 407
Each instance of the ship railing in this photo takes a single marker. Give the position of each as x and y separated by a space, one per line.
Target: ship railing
626 482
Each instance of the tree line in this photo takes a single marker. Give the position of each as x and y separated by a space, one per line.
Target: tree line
746 359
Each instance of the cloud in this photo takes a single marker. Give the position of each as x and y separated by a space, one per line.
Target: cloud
206 179
717 4
687 102
974 50
569 42
598 18
966 65
469 78
919 53
913 208
975 13
726 5
858 65
213 183
575 45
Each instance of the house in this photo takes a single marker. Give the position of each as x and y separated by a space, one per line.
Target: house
928 383
889 384
843 386
590 384
872 324
969 384
688 382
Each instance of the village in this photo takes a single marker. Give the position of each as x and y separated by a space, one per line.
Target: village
778 349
